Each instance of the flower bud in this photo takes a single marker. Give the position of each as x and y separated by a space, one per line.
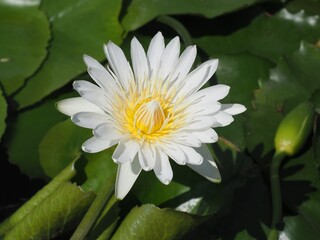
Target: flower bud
294 129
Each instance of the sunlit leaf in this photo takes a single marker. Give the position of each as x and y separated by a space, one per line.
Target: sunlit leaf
24 31
37 199
61 211
78 27
150 222
141 11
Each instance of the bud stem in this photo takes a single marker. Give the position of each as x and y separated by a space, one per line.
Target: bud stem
276 189
178 27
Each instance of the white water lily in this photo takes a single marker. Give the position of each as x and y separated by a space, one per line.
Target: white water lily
153 113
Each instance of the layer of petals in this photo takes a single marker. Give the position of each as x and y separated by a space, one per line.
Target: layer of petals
128 173
125 151
222 119
211 94
200 123
92 93
119 64
192 156
169 58
107 131
147 157
175 153
184 63
206 136
198 77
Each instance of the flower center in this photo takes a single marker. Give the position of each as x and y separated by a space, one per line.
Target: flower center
149 117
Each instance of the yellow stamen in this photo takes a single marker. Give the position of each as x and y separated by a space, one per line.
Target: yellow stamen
150 117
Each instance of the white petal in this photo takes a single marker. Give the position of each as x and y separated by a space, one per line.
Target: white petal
208 167
198 77
92 63
192 156
75 105
125 151
175 153
139 61
184 63
119 64
186 138
107 131
89 119
93 145
210 94
162 168
147 157
104 79
92 93
206 136
203 108
127 175
233 109
169 58
200 123
155 52
99 74
222 119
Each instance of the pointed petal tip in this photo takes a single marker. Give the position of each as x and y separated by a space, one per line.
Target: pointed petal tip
83 147
166 181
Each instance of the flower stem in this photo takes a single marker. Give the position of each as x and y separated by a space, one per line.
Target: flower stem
95 210
276 192
178 27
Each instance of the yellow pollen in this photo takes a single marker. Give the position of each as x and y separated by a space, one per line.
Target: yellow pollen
150 117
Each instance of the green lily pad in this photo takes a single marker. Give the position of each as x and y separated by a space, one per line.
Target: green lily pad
99 167
78 27
24 31
3 113
60 146
140 12
267 36
294 80
26 133
236 71
150 222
